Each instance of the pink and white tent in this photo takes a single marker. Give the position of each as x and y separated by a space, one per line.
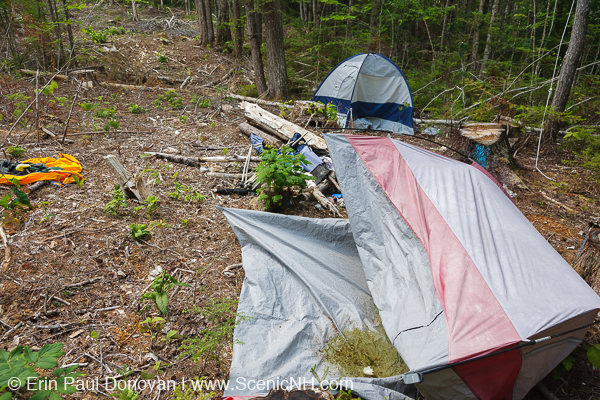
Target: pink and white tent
457 271
478 304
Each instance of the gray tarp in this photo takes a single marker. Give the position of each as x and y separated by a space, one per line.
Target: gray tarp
304 283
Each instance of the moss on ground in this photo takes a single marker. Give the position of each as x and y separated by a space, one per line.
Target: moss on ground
357 350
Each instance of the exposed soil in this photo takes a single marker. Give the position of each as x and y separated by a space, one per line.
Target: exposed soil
67 239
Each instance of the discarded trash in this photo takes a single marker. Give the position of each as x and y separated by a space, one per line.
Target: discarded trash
60 170
241 192
432 131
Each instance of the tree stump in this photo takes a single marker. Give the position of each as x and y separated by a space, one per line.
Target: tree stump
487 144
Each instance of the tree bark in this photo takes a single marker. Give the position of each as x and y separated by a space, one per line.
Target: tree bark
475 48
253 38
258 14
349 21
278 85
570 63
444 25
237 28
202 22
488 42
210 38
223 31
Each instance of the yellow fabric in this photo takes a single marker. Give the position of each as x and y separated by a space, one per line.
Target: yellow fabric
70 165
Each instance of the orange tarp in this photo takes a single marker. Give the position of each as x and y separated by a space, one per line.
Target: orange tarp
69 164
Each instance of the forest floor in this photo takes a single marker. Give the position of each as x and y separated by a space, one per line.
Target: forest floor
68 247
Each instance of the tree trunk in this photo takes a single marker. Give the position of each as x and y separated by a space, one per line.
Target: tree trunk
444 24
210 38
278 85
202 22
237 28
257 64
259 21
488 42
570 63
349 21
69 30
475 48
375 8
223 32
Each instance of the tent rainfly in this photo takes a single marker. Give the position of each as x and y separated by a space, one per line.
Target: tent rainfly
370 92
474 299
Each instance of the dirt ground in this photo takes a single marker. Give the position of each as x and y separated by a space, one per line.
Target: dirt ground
68 247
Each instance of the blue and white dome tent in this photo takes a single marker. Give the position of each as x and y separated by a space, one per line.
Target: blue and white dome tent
372 90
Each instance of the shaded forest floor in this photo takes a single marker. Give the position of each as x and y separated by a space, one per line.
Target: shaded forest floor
67 238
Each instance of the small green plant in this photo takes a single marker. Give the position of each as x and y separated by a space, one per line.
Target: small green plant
154 324
15 151
62 101
171 97
150 204
88 106
135 109
281 172
49 89
201 102
593 353
184 222
162 58
188 193
192 391
118 201
98 37
78 181
23 364
159 291
183 119
126 394
138 231
46 215
20 197
222 319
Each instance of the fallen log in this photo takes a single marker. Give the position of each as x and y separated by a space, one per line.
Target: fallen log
259 101
34 73
278 126
132 186
224 175
247 129
197 161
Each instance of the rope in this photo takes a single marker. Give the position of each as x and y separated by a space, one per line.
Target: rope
537 156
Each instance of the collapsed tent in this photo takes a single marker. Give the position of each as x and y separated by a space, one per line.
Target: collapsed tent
473 298
60 170
370 92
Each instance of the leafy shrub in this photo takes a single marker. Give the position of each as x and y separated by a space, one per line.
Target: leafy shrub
135 109
20 199
138 231
159 288
150 204
118 201
15 151
23 363
585 144
171 97
280 171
